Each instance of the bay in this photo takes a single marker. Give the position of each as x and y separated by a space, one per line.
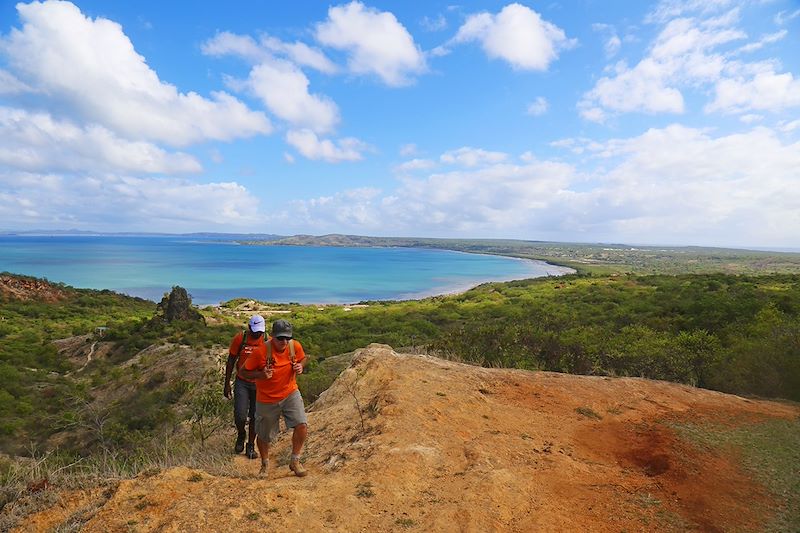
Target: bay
214 271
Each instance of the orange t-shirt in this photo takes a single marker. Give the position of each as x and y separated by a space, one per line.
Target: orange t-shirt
283 382
254 347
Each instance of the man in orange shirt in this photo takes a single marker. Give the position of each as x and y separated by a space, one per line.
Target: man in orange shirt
244 345
277 393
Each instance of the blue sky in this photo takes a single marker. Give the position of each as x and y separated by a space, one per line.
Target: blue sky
671 122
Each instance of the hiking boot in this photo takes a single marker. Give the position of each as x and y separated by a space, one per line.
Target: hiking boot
239 448
264 471
251 451
296 467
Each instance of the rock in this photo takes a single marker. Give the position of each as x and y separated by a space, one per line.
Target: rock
177 305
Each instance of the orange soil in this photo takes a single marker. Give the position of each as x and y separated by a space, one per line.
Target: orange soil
451 447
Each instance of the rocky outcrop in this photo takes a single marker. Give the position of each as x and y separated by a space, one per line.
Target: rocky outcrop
177 305
25 288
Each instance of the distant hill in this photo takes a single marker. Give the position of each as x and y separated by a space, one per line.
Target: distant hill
599 258
25 288
411 442
227 236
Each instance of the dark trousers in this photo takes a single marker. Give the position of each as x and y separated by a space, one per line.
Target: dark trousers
244 406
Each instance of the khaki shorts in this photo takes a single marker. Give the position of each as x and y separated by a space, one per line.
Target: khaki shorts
268 416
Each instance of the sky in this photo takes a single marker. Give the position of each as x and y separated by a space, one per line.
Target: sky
673 122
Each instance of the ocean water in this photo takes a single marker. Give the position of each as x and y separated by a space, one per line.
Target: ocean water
214 271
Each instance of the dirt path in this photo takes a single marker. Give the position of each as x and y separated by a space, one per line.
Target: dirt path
451 447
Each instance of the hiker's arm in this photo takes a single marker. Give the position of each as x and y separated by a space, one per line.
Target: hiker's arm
226 390
300 366
263 373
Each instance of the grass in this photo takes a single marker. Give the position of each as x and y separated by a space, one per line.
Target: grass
770 450
588 413
103 469
364 490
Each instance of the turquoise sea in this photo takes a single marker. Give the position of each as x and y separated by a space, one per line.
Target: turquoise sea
214 271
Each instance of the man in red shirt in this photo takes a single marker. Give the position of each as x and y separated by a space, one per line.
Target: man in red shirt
244 345
277 393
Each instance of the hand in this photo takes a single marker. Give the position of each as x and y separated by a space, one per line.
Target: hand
227 390
267 373
298 368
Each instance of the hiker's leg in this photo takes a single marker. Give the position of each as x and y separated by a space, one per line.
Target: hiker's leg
298 438
251 435
294 414
263 449
267 426
241 404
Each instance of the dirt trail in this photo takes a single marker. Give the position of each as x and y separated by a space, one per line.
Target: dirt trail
452 447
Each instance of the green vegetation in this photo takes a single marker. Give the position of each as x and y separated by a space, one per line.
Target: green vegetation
585 257
733 333
33 386
737 334
770 450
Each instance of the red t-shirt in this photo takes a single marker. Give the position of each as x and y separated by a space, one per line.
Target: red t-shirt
283 382
254 347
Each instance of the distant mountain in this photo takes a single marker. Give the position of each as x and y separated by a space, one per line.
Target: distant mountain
602 258
204 235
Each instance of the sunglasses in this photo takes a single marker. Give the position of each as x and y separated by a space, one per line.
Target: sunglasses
283 338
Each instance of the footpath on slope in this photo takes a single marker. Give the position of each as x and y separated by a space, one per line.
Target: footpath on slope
411 442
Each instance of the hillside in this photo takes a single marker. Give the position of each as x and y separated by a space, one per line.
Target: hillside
603 258
24 288
411 442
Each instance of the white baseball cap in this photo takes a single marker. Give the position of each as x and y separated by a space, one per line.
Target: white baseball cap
257 324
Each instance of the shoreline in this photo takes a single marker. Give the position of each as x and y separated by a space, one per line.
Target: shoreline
440 283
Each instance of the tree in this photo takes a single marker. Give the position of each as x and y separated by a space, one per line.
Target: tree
209 413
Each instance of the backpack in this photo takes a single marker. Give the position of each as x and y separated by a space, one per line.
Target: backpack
239 351
269 353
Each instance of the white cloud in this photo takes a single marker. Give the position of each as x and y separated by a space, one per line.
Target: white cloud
472 157
702 190
471 202
682 56
612 46
537 107
312 147
301 53
706 188
376 42
765 40
787 126
785 16
91 66
37 142
765 91
517 35
751 118
612 42
9 84
227 43
408 149
135 203
244 46
414 165
668 9
284 90
433 24
639 89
